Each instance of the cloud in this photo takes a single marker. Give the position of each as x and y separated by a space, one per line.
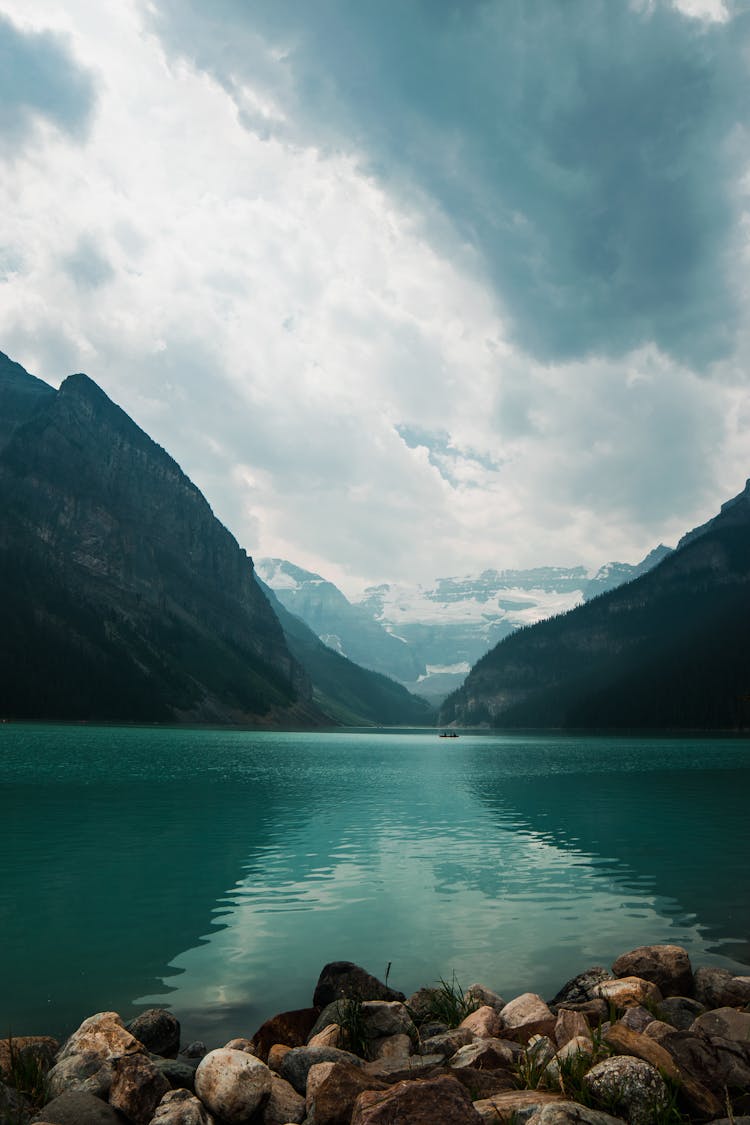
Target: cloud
584 149
87 265
40 80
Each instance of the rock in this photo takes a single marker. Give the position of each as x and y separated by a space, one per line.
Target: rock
284 1106
386 1017
297 1062
581 988
727 1023
137 1088
179 1073
636 1018
232 1084
332 1094
88 1073
441 1099
514 1105
421 1004
714 1062
631 1086
658 1030
246 1045
345 979
158 1030
290 1028
195 1050
525 1009
596 1010
276 1054
679 1011
484 1083
667 966
433 1027
571 1113
718 988
103 1035
28 1049
527 1031
76 1107
570 1025
485 1022
447 1043
485 1054
480 996
391 1047
574 1049
399 1070
14 1107
627 992
180 1107
331 1036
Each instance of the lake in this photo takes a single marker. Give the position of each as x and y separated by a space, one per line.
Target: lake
217 871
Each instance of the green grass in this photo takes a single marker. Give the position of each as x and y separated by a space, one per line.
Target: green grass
448 1004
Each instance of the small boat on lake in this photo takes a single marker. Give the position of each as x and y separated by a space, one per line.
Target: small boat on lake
448 734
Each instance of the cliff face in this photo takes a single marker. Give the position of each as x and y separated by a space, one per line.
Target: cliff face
668 650
124 597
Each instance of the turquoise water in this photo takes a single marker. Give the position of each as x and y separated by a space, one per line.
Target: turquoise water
217 871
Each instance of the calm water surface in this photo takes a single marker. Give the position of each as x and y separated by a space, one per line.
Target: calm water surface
217 871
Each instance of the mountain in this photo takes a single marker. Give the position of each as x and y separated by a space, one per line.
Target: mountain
124 598
342 689
669 650
428 637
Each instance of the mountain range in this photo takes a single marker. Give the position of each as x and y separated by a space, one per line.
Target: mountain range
124 598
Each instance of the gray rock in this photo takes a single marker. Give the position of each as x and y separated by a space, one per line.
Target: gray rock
713 1062
479 995
180 1107
570 1025
296 1063
13 1106
284 1106
718 988
345 979
432 1028
485 1054
158 1030
447 1043
514 1105
679 1011
727 1023
571 1113
524 1009
195 1050
76 1107
137 1088
633 1087
87 1072
386 1017
581 988
637 1018
180 1073
667 966
334 1012
232 1084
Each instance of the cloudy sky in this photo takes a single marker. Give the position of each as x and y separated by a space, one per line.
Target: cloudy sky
409 288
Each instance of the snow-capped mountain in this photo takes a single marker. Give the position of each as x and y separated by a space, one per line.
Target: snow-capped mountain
428 637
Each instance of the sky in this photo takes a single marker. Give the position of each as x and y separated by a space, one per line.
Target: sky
409 289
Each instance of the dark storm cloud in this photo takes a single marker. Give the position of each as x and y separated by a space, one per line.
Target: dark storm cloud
39 78
585 147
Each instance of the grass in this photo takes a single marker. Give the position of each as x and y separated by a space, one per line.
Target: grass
352 1022
27 1075
447 1003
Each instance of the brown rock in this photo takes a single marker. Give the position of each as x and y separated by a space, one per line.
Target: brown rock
569 1025
571 1113
523 1010
727 1023
289 1028
667 966
447 1043
573 1050
658 1030
104 1035
627 992
480 996
596 1010
484 1083
714 1062
680 1011
158 1030
331 1036
245 1045
284 1105
38 1049
391 1047
401 1070
137 1088
275 1056
296 1063
331 1099
345 979
180 1107
528 1030
88 1073
514 1105
76 1107
718 988
484 1054
386 1017
441 1099
484 1022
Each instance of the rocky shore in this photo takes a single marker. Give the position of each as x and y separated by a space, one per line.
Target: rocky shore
649 1042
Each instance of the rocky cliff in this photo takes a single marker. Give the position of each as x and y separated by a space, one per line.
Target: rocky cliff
123 595
668 650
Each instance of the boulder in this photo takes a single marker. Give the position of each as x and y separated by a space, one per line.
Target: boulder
232 1084
89 1073
595 1010
484 1083
636 1018
441 1099
479 996
727 1023
714 1062
514 1105
284 1105
14 1107
391 1047
332 1094
180 1107
574 1049
667 966
658 1030
179 1073
570 1025
137 1088
276 1054
525 1009
76 1107
399 1070
631 1086
447 1043
627 992
241 1044
421 1004
195 1050
28 1049
291 1028
571 1113
485 1054
332 1035
345 979
718 988
386 1017
158 1030
679 1011
484 1022
581 988
296 1063
104 1035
